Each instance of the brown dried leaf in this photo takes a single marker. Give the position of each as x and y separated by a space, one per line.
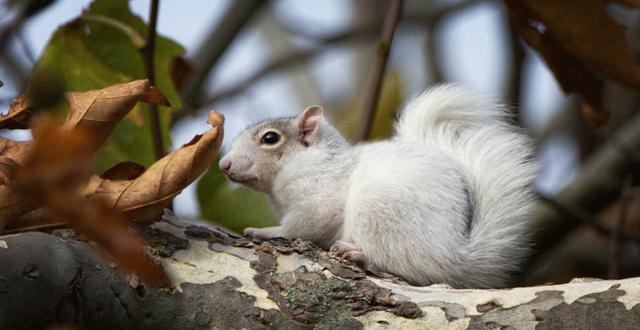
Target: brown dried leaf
155 96
100 110
9 206
144 198
37 219
59 165
124 171
12 206
12 154
19 115
594 116
7 169
181 70
96 111
585 30
18 151
581 44
629 3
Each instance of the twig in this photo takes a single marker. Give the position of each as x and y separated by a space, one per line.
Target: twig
149 49
214 46
434 66
284 62
581 216
15 68
514 81
12 64
379 67
291 59
363 31
432 17
595 187
624 148
617 230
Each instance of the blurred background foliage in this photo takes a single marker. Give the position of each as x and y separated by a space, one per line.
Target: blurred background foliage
254 59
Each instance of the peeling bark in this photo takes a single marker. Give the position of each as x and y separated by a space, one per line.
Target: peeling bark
225 281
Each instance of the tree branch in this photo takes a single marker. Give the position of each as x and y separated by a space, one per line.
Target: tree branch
433 59
285 62
434 16
149 62
514 80
361 32
580 216
379 66
212 48
618 229
596 186
220 280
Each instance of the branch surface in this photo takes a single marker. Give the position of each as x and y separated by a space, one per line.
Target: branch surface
224 281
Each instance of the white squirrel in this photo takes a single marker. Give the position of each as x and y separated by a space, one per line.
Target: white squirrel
448 199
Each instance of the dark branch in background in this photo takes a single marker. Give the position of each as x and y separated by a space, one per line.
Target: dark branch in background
379 66
618 228
19 74
362 32
633 154
596 186
212 48
514 80
434 66
24 10
149 63
281 63
11 63
580 216
434 16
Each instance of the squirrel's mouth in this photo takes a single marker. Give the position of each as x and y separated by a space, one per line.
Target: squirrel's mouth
242 180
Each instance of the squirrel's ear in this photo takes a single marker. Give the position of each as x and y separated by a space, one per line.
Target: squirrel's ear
308 123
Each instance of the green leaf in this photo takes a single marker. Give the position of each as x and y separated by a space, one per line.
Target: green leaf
232 207
92 53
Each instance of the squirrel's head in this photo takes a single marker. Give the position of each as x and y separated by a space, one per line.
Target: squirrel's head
257 154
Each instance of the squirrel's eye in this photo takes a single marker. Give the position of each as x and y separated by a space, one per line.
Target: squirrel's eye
270 137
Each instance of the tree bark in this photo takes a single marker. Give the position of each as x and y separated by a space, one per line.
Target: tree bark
223 281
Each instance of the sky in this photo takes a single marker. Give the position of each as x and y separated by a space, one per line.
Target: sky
473 55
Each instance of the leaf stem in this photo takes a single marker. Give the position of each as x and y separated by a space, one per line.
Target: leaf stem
148 51
382 54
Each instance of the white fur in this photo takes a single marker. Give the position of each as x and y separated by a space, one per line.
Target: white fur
495 161
448 199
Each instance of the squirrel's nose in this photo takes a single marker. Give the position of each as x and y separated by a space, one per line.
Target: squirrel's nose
225 165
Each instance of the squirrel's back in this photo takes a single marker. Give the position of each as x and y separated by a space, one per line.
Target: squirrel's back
495 159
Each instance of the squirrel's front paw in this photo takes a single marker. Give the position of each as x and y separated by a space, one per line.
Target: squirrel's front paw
349 251
263 233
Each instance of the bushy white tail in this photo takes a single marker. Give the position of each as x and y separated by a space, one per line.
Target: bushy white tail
496 161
